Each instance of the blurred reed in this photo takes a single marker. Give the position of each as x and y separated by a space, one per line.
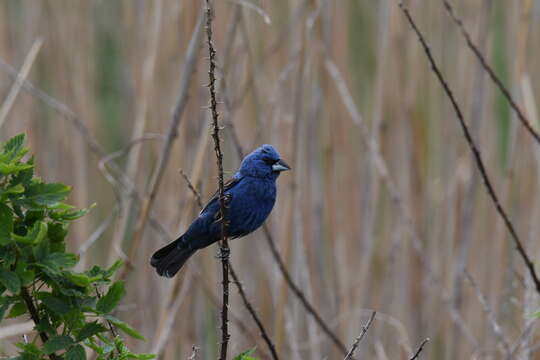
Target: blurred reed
384 209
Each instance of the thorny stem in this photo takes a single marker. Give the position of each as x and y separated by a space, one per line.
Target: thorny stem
224 246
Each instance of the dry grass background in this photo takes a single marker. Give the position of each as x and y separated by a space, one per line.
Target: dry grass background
309 82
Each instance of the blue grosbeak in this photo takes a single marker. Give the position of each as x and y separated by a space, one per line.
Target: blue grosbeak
249 196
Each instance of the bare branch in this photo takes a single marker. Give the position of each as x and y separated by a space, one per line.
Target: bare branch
506 93
419 350
365 328
476 152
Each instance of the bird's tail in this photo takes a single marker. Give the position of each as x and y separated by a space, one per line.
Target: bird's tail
169 259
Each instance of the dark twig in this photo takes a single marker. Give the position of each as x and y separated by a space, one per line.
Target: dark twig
476 152
254 315
236 280
283 268
359 338
224 245
419 350
490 315
299 294
35 317
192 188
491 72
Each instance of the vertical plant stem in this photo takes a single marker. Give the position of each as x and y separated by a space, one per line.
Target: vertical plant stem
35 318
224 245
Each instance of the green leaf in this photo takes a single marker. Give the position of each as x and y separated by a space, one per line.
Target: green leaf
11 168
26 276
75 353
57 261
246 355
30 352
17 310
67 215
108 302
124 327
6 224
15 189
56 305
25 176
35 235
47 194
57 343
10 280
78 279
15 144
144 356
90 329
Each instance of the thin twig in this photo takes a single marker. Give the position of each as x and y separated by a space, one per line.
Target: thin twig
506 93
192 188
254 315
476 152
419 350
224 245
194 353
365 328
489 312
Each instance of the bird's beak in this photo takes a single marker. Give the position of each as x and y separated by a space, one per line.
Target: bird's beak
280 166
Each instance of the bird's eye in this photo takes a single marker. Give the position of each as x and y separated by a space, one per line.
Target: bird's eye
269 161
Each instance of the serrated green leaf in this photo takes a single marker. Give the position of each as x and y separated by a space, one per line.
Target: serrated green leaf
246 355
124 327
75 352
10 280
56 343
15 143
57 261
6 224
90 329
47 194
26 276
108 302
17 310
11 168
56 305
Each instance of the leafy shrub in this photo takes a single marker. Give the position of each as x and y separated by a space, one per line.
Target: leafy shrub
35 277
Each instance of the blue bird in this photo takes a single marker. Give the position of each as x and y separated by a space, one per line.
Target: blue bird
249 197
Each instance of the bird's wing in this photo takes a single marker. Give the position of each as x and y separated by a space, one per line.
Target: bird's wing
232 182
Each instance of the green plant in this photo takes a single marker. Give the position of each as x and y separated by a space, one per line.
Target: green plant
36 279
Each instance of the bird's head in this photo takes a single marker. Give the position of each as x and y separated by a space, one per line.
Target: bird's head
263 162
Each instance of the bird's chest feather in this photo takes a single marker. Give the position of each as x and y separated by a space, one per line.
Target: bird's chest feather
250 205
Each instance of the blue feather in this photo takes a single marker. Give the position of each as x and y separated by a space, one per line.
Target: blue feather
251 195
